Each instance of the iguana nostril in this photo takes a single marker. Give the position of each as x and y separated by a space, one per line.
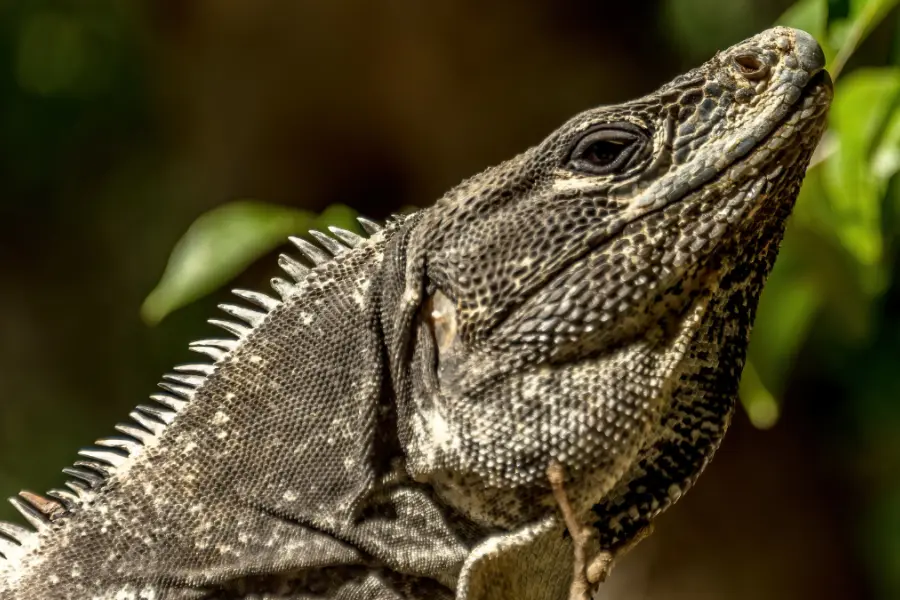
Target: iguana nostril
751 66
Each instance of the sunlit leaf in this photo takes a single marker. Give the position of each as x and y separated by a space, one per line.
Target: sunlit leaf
886 156
788 304
814 251
856 186
847 35
815 257
759 403
336 215
217 247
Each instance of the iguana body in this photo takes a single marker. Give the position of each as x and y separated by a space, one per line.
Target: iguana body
385 428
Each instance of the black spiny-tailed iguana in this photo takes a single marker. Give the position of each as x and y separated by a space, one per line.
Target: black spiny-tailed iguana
556 344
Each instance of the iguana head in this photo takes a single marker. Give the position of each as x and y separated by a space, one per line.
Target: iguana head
589 267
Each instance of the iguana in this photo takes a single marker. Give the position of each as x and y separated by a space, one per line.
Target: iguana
491 398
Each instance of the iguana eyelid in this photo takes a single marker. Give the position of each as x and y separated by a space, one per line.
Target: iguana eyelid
623 139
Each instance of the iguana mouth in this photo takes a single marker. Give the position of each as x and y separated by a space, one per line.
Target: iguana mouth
818 84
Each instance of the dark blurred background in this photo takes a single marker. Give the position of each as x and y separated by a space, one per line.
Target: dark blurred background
125 122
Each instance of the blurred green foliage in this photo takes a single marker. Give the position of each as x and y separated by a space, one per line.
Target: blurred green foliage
223 242
63 60
833 258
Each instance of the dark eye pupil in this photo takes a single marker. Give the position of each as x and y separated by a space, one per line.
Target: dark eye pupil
605 152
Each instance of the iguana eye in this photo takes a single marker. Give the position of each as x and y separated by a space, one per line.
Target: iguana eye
605 151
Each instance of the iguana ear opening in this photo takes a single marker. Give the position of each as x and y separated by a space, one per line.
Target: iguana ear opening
441 316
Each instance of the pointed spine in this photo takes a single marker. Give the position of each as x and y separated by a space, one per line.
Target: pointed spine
199 368
248 315
67 498
282 287
14 532
214 353
141 435
313 253
113 459
92 479
77 486
151 425
348 237
263 301
293 268
166 416
169 401
49 509
180 391
225 344
370 227
193 381
126 444
240 331
34 517
102 469
329 243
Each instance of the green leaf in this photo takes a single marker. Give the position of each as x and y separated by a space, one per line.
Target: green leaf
337 215
847 35
789 302
814 257
758 401
855 178
217 247
886 156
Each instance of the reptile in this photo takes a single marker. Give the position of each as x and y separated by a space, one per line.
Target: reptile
490 398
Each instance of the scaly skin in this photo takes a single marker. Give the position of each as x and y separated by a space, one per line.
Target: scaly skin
386 427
